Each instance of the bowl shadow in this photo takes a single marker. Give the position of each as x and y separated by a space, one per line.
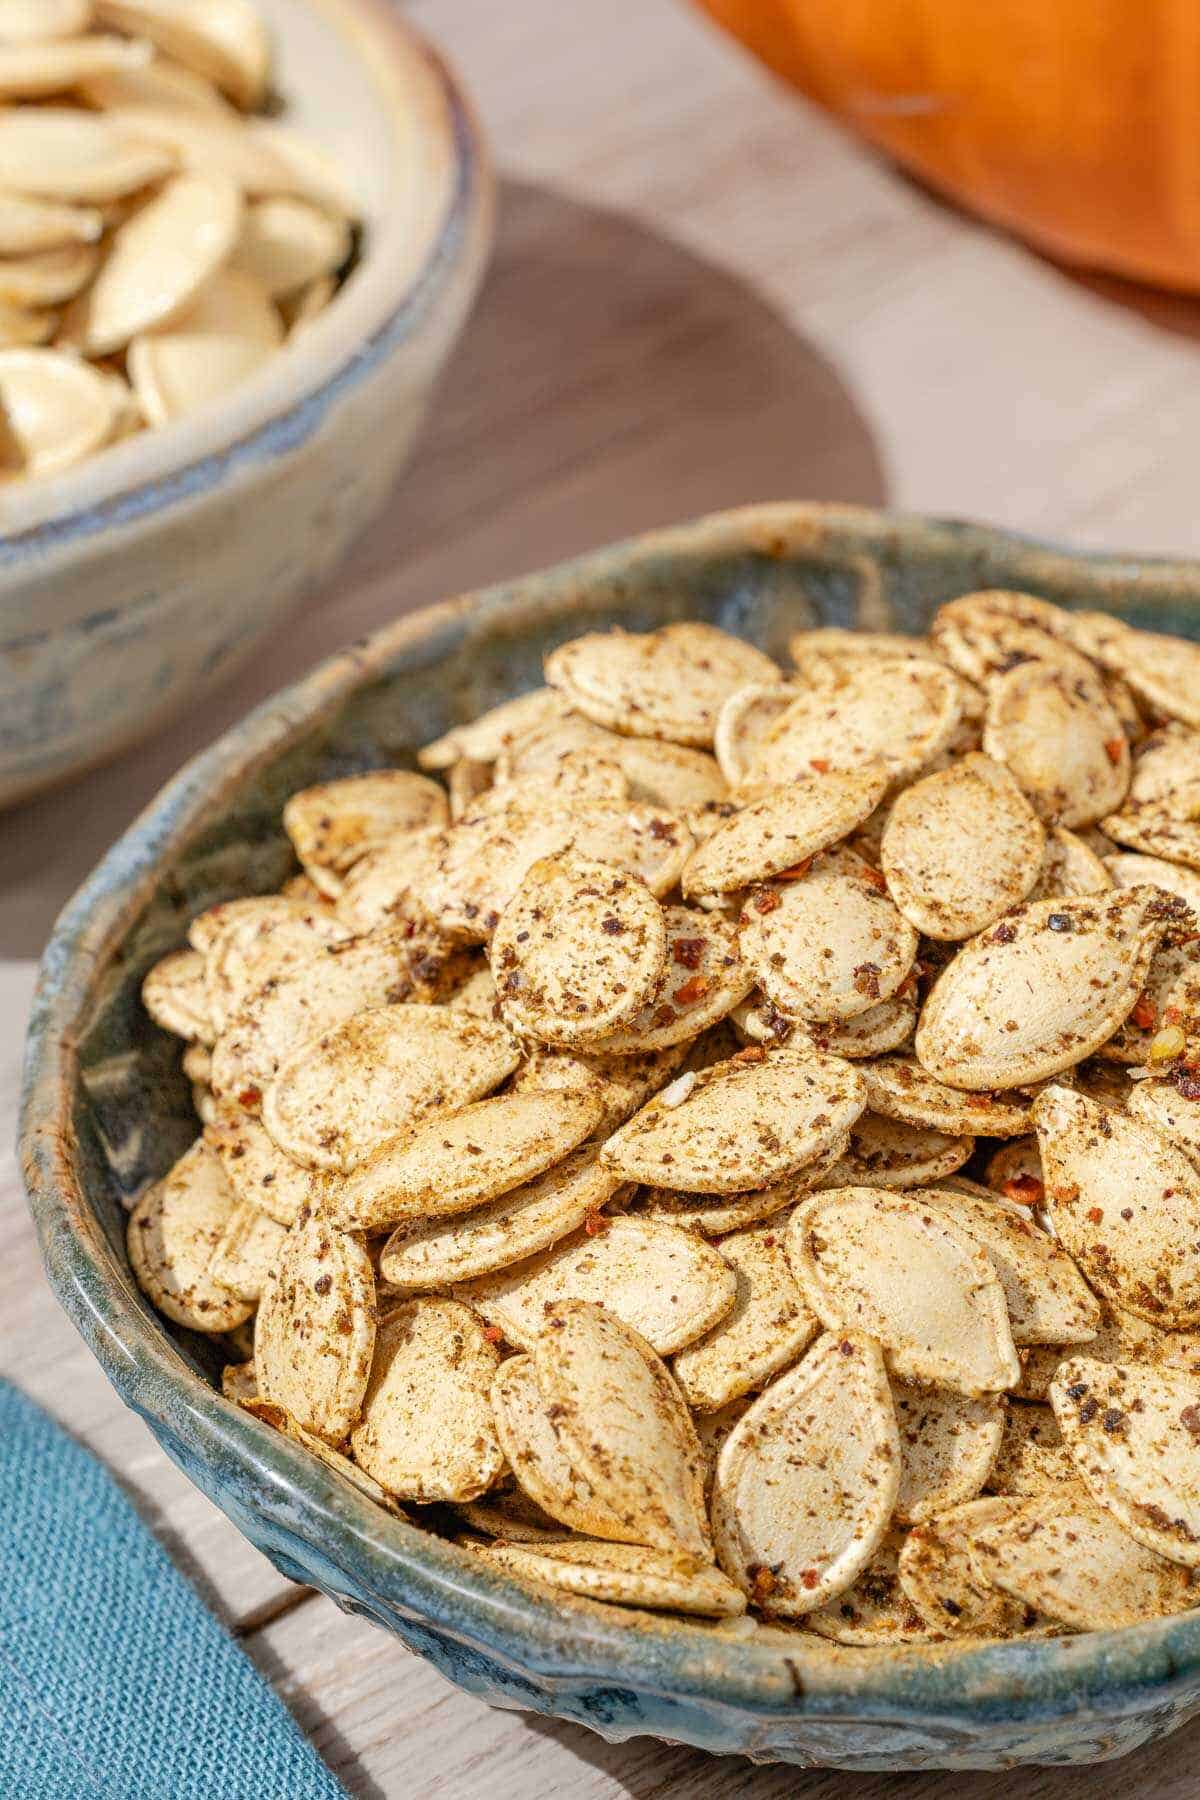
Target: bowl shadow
611 380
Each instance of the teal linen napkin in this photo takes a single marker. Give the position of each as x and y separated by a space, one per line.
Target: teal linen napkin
115 1682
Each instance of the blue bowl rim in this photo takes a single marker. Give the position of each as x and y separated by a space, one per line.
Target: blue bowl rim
416 1575
293 424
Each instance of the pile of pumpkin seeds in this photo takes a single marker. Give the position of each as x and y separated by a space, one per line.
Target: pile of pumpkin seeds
161 236
732 1144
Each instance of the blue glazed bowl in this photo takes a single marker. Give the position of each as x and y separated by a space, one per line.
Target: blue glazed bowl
130 584
106 1109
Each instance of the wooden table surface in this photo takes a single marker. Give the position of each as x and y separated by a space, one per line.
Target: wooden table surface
701 295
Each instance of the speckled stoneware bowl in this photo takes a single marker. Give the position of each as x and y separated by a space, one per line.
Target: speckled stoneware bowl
106 1109
129 584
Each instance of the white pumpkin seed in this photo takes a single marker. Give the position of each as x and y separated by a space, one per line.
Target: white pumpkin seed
432 1253
37 21
1172 1108
624 1574
1056 733
510 1514
768 1326
1041 990
670 683
35 70
982 635
744 721
55 409
223 40
1124 1201
1131 1432
624 1425
807 1479
789 825
901 1268
229 331
314 1334
1071 866
899 1088
578 951
486 738
1070 1560
960 848
47 277
1162 671
896 711
668 1285
1152 830
345 1094
63 153
1127 869
172 1234
287 243
332 827
161 84
948 1445
456 1161
619 1083
748 1122
427 1430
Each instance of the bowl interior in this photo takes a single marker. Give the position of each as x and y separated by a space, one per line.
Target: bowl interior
365 90
107 1109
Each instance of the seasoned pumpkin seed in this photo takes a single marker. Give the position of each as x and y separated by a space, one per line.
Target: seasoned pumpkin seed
1058 736
703 979
948 1445
807 1479
669 683
874 1609
532 1443
787 826
1071 866
335 825
899 1088
427 1430
901 1268
172 1234
941 1580
768 1326
1032 1458
246 1251
255 1168
314 1334
897 711
886 1153
626 1574
175 994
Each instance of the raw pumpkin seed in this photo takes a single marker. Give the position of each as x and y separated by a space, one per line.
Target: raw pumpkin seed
427 1430
666 1284
901 1268
807 1479
224 40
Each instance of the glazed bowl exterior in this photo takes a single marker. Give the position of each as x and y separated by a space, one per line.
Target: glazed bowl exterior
106 1109
130 584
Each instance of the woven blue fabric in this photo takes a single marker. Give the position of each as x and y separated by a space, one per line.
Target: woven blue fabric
115 1682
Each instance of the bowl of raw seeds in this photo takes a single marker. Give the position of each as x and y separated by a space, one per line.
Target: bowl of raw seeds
237 240
643 1129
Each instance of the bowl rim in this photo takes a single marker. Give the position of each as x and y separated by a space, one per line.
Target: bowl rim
420 1577
282 406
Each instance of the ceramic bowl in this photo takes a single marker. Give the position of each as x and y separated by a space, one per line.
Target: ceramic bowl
107 1109
131 583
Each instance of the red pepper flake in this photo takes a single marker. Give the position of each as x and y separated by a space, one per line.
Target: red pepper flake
596 1224
689 952
249 1098
809 1578
765 900
1026 1190
874 878
1066 1190
1114 749
1095 1215
1172 1015
820 764
1187 1082
1004 933
762 1585
1145 1014
980 1100
797 872
753 1053
493 1334
866 980
1189 1418
692 990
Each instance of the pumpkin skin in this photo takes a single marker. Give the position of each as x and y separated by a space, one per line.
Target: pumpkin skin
1074 123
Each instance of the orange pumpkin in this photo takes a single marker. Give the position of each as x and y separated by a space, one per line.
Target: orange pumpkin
1075 123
